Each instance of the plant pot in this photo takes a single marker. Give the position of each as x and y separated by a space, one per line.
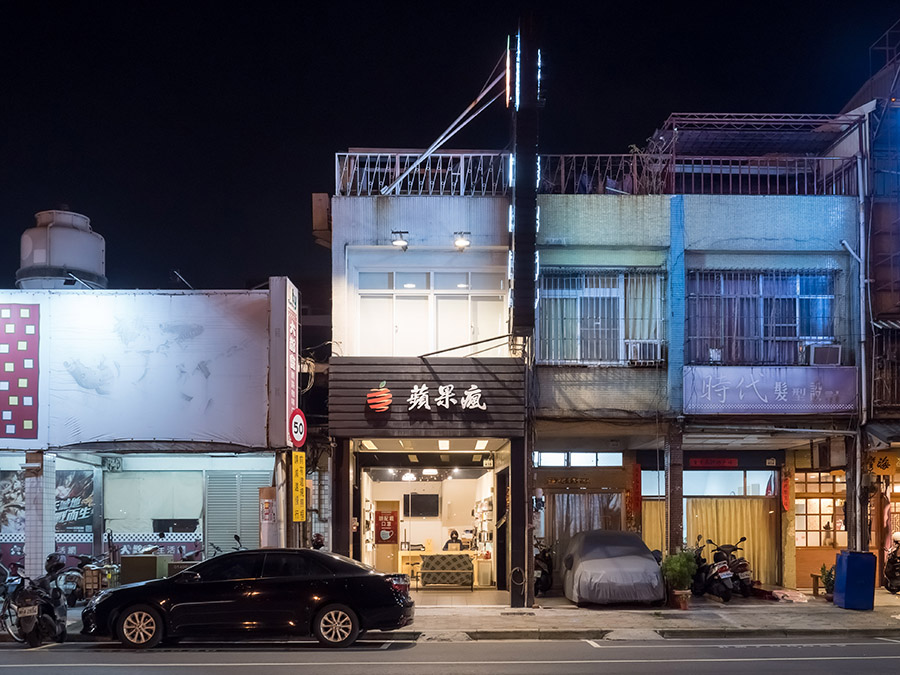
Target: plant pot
829 597
680 599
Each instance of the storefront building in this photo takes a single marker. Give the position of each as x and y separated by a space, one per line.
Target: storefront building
139 418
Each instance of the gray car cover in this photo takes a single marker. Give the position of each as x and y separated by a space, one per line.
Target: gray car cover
606 567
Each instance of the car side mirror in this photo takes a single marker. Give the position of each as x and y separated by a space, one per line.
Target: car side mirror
567 561
188 577
742 539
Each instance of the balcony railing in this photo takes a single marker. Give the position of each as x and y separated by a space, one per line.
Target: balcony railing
359 174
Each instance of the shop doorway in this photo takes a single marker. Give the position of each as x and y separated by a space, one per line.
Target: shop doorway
231 507
569 513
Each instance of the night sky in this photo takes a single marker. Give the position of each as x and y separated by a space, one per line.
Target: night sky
193 133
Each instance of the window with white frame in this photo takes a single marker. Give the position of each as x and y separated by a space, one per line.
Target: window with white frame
747 318
409 313
601 317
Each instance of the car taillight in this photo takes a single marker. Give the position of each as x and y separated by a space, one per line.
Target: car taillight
399 582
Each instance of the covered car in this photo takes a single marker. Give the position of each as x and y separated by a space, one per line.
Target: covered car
604 567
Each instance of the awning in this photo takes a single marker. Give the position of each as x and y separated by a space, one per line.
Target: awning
884 433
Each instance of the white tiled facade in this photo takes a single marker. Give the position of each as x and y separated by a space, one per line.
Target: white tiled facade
40 525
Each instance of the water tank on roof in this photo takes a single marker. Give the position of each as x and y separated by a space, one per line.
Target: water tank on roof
62 251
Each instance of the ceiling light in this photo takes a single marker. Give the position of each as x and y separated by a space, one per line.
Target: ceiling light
443 444
455 469
476 458
445 458
409 285
413 458
429 472
408 476
369 445
481 445
461 240
392 471
462 285
399 239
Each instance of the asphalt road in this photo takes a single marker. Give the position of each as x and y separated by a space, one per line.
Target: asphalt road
374 657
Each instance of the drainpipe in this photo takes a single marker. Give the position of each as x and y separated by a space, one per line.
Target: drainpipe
862 263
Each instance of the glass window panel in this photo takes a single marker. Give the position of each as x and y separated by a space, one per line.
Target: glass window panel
489 317
841 538
800 522
379 281
813 522
812 505
551 459
713 483
826 506
609 459
451 281
452 327
482 281
813 539
583 459
812 487
761 483
412 280
812 478
800 538
826 487
653 483
800 505
376 325
411 337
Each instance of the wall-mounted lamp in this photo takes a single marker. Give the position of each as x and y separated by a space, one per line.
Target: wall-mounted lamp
399 239
461 240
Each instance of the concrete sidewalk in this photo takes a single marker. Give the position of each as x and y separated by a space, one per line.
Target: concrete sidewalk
555 618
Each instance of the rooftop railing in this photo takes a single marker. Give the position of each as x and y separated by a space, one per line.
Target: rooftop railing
479 174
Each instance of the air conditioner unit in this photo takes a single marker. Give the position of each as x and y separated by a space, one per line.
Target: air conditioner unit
824 355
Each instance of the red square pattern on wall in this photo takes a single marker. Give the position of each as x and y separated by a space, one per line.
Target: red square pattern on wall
19 348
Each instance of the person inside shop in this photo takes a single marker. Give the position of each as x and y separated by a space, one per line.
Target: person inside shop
453 543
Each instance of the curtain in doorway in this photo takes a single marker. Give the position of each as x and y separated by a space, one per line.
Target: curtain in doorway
727 519
572 513
653 523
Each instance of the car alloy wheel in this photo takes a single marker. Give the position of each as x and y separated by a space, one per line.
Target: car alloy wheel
337 626
140 627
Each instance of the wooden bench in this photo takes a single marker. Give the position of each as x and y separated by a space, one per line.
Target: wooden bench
816 578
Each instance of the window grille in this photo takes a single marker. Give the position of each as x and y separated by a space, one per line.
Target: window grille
747 318
601 318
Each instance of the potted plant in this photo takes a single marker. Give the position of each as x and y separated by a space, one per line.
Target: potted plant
678 570
827 574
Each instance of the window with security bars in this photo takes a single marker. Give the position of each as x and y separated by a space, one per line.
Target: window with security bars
601 317
747 318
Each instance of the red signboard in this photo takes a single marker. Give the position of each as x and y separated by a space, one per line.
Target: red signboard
385 527
713 463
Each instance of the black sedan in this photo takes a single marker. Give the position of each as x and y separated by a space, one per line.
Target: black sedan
258 593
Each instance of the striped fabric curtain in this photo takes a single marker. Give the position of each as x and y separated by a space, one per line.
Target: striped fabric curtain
653 523
727 519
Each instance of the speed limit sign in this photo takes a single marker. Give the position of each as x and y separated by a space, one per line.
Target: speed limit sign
298 428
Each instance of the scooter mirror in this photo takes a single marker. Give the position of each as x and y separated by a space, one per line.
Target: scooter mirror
742 539
237 539
699 538
710 541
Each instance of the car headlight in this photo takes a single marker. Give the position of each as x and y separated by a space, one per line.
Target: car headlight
99 597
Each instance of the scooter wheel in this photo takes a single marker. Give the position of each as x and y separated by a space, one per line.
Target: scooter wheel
61 635
33 638
726 594
893 589
746 590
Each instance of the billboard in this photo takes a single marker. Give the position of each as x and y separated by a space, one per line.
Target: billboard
147 367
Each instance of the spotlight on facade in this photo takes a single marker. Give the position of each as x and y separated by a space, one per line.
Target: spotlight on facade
399 239
461 240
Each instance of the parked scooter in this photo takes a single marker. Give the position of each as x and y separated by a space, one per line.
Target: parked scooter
41 606
892 566
698 584
718 577
543 567
8 613
739 566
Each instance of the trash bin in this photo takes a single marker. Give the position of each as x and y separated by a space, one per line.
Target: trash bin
854 580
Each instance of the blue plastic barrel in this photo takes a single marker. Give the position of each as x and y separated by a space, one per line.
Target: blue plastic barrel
854 580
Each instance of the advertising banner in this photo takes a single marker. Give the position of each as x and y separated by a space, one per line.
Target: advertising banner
786 390
83 367
12 502
298 486
74 501
386 527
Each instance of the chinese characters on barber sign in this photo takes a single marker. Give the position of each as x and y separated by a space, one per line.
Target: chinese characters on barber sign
710 390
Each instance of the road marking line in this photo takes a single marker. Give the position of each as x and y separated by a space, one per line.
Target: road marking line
888 640
593 644
49 644
344 664
387 645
